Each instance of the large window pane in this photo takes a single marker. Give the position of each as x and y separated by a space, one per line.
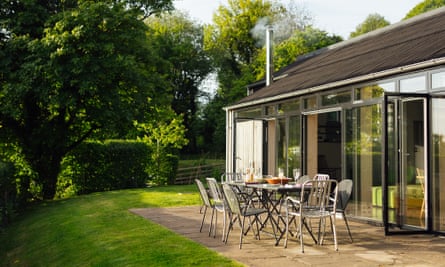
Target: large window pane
310 102
368 92
336 98
250 113
412 85
438 172
363 159
293 106
294 160
438 80
281 147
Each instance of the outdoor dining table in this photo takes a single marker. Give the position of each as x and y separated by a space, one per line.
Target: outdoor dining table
271 197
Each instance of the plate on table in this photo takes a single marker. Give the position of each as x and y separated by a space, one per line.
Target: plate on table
278 180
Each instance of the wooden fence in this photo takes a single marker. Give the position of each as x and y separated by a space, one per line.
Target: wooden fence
188 175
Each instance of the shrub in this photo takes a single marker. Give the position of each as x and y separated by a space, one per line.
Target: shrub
164 168
103 166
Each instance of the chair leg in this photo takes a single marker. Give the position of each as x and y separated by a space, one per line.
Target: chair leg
287 231
301 234
230 227
211 222
334 232
347 226
216 224
242 233
257 219
203 218
320 236
224 225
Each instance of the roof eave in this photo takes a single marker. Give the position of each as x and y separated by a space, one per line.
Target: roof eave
358 79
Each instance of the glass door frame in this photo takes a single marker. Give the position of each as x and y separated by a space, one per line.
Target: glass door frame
399 97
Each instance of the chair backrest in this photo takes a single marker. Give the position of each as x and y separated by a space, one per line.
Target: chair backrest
203 193
229 177
232 199
420 176
344 193
321 177
302 179
215 190
317 194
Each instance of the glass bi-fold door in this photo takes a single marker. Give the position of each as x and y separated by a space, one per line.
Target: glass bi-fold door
406 180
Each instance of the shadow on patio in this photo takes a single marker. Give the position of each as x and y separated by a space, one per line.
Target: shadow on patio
370 247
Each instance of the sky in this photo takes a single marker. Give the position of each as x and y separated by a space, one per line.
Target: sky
339 17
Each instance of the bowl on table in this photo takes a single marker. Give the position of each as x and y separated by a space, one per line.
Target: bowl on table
278 180
258 180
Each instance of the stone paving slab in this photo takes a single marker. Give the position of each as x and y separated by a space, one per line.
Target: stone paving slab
370 247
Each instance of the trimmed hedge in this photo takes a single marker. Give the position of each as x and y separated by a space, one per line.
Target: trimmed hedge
104 166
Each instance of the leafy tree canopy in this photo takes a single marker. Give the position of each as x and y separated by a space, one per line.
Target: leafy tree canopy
236 38
423 7
300 43
71 69
235 42
179 41
371 23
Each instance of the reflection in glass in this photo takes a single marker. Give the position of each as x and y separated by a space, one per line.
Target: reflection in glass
438 162
410 184
310 102
250 113
368 92
292 106
293 149
363 159
270 110
281 145
388 87
336 98
438 80
412 85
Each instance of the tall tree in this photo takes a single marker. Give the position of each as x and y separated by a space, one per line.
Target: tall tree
424 6
371 23
179 41
299 43
235 41
71 69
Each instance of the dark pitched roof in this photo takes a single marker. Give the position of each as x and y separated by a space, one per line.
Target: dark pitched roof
419 39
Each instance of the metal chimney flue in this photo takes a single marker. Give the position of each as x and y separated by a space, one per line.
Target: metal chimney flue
269 55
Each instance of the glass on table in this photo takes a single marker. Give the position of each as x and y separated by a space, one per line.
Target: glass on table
296 173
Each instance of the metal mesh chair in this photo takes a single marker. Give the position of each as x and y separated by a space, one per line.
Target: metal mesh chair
321 177
218 203
344 194
206 204
236 212
313 203
302 179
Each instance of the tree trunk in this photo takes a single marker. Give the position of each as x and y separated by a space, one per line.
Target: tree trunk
47 166
50 171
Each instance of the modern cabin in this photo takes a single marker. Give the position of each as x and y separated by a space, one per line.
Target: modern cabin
370 109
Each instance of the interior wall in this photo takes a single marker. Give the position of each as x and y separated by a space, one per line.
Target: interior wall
271 147
312 144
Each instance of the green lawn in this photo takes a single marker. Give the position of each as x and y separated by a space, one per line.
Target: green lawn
98 230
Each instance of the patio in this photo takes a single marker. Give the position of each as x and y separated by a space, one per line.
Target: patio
370 247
